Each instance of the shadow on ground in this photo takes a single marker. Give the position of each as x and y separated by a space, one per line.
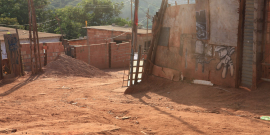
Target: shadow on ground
229 101
18 86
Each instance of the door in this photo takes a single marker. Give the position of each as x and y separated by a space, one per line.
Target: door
247 60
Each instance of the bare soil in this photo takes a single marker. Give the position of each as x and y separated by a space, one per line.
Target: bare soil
72 105
64 66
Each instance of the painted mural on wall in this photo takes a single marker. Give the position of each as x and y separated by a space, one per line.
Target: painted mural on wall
202 51
201 24
226 62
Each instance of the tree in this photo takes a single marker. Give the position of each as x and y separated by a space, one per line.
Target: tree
120 21
19 9
8 21
102 10
95 12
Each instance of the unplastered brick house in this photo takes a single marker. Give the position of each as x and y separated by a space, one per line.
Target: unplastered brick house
108 46
48 42
225 42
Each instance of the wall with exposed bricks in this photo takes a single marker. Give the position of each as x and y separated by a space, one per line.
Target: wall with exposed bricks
26 57
120 55
98 36
53 50
78 42
104 56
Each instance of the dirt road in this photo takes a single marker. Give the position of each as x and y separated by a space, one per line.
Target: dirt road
77 105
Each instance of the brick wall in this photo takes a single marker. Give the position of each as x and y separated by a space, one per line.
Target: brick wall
98 55
120 55
78 42
98 36
26 57
53 50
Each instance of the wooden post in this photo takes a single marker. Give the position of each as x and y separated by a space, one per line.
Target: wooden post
148 17
135 25
30 36
36 34
21 63
156 30
138 64
1 73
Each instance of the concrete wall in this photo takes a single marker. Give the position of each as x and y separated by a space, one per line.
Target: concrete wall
104 56
190 51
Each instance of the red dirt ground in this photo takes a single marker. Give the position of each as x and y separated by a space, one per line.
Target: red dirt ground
85 106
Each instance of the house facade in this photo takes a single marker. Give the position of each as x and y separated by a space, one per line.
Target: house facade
221 41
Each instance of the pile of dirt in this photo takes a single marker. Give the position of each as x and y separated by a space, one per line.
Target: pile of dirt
64 65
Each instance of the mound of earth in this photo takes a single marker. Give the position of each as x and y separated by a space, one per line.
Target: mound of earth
64 65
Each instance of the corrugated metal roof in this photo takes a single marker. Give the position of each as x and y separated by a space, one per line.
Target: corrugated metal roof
24 34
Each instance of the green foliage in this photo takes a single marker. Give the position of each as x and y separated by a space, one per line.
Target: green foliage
63 3
120 21
19 9
95 12
8 21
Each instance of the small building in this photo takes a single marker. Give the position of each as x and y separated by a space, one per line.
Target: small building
225 42
110 33
24 37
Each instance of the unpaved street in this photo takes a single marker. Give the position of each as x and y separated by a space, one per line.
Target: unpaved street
76 105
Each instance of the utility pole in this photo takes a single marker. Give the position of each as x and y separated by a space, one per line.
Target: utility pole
36 33
131 10
30 36
148 17
135 25
134 40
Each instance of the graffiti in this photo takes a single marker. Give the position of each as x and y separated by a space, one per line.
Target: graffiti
226 62
201 25
12 42
201 52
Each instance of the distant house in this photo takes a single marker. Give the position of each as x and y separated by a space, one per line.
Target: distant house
110 33
24 37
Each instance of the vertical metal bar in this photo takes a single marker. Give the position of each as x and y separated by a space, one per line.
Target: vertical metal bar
131 67
138 64
30 36
110 54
